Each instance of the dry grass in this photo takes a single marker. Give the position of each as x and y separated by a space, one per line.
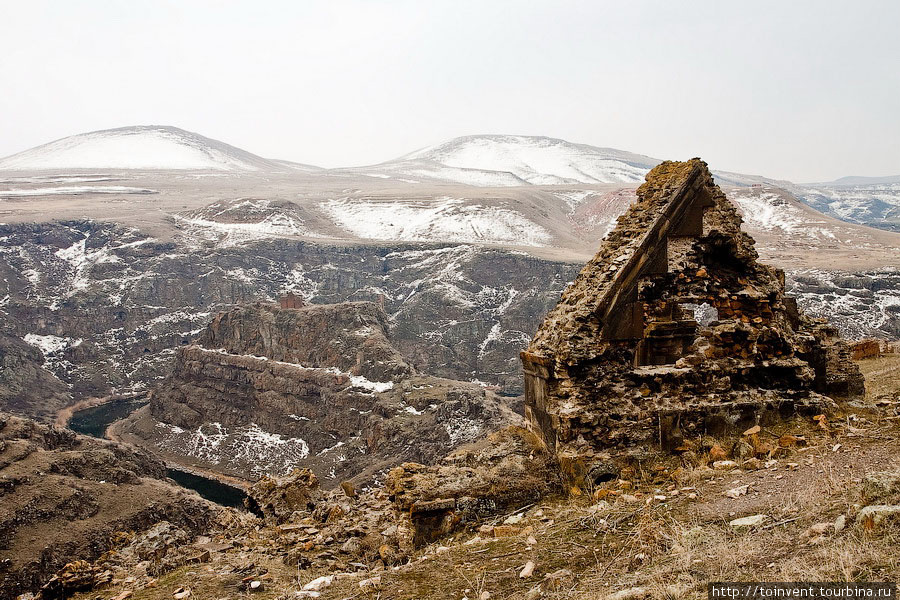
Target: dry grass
882 376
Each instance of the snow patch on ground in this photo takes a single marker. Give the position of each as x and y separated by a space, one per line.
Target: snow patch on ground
772 212
229 235
236 448
51 344
233 223
358 381
443 219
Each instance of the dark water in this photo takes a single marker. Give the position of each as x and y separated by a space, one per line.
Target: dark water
212 490
94 421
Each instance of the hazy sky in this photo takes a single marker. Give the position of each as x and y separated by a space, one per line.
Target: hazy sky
807 91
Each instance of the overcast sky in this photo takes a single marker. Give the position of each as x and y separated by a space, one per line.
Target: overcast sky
808 91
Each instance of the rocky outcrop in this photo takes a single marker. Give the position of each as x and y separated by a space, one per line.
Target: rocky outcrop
26 387
278 498
675 329
505 471
266 389
65 497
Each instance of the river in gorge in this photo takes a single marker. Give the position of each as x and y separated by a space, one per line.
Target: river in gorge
94 421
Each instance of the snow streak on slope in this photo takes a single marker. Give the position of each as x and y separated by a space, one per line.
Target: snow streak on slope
149 147
506 160
230 223
770 211
75 190
267 453
441 219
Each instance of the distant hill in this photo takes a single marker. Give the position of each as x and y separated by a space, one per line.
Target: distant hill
510 160
151 147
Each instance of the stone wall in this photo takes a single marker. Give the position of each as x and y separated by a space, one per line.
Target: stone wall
675 329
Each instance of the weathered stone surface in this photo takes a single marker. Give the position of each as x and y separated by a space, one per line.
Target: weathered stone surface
883 487
277 498
505 471
674 329
872 517
748 522
350 336
865 349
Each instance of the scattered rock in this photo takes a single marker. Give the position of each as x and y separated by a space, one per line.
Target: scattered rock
871 517
737 492
840 523
319 583
75 576
557 581
506 531
533 594
372 583
500 474
635 593
527 571
717 453
881 487
277 498
749 522
349 489
722 465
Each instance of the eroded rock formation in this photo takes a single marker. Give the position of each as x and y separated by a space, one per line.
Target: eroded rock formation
65 497
266 389
26 387
674 329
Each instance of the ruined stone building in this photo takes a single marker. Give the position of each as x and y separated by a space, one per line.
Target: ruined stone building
674 329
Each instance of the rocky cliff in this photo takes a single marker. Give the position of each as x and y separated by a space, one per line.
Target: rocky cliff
118 301
266 389
113 302
26 387
65 497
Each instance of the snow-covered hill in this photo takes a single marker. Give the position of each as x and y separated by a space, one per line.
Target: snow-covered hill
509 160
144 147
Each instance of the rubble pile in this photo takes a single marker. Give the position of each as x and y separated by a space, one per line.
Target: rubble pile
674 329
507 470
